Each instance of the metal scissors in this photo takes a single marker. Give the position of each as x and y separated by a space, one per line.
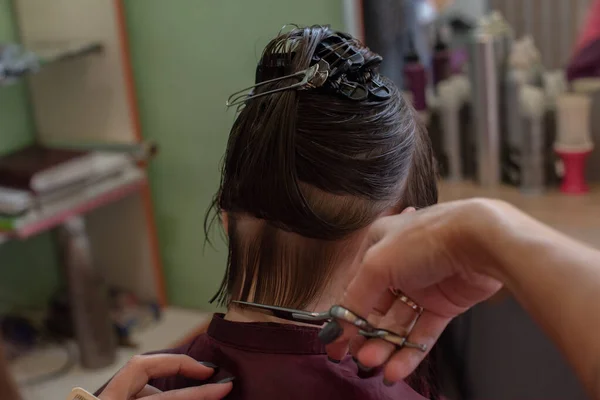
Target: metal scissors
336 312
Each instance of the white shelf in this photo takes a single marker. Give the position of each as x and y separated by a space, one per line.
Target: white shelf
52 52
81 201
175 325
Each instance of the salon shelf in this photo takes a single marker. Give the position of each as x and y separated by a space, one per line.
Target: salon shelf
576 216
174 325
81 201
52 52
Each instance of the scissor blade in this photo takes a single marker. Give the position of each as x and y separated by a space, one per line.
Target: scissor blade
289 314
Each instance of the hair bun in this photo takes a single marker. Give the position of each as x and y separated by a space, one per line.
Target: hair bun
350 68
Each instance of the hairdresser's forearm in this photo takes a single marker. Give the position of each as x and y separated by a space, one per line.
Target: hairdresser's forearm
558 281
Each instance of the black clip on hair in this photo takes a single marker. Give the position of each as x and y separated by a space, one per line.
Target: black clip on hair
338 66
351 75
352 90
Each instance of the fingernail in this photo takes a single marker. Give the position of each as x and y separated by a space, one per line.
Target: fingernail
226 380
333 360
363 368
360 366
388 383
331 332
207 364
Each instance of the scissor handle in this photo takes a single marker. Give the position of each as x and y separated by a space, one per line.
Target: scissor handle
393 338
346 315
370 331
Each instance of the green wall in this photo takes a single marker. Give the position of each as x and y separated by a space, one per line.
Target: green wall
16 128
188 57
28 270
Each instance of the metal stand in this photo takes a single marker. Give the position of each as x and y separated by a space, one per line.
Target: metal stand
385 33
89 297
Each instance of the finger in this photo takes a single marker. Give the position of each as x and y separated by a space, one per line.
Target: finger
356 343
400 320
362 297
213 391
373 267
386 301
147 391
365 293
402 363
133 377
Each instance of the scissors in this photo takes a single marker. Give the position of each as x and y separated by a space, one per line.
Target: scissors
339 313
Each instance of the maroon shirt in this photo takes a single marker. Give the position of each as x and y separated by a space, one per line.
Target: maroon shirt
275 361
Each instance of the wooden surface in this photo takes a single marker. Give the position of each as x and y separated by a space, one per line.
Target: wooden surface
577 216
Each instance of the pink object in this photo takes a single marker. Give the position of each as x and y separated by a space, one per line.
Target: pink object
591 29
416 82
415 77
585 61
53 221
441 66
574 165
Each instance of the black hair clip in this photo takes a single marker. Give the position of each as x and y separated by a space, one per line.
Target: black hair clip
352 90
378 89
341 55
352 75
340 65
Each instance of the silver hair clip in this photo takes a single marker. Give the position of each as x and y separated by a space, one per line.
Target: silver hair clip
312 77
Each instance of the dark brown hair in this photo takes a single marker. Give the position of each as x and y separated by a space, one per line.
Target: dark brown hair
305 169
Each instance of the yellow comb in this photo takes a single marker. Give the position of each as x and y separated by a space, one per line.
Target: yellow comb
80 394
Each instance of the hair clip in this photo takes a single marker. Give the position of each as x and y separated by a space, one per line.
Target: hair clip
343 52
378 89
352 90
312 77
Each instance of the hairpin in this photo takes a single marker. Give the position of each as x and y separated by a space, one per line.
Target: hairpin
310 78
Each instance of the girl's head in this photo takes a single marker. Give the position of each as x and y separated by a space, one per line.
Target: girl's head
307 170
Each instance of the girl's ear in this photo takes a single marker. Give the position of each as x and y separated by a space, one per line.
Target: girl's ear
408 210
397 210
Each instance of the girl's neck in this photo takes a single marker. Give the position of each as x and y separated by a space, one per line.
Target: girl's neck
333 292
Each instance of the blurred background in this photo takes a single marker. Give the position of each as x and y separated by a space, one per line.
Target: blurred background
113 124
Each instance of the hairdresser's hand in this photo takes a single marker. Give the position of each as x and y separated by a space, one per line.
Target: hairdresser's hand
439 257
131 382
